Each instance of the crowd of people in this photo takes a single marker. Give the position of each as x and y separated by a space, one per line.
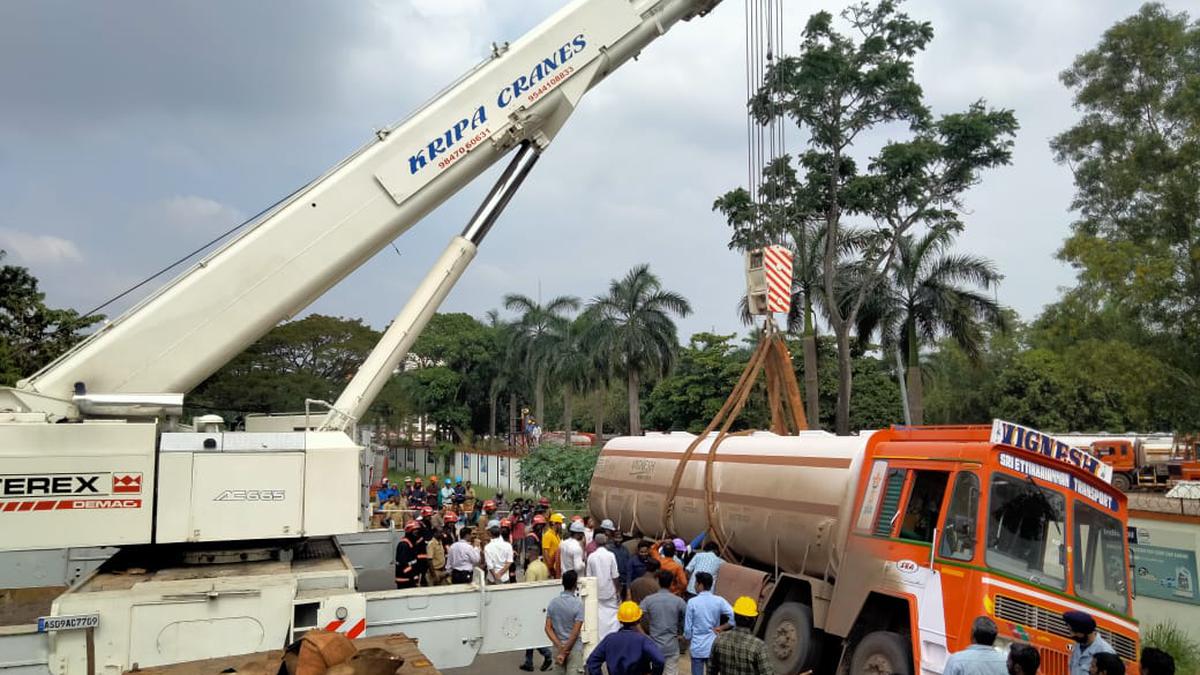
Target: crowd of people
1092 655
654 596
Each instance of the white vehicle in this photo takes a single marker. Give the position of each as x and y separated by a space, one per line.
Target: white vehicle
91 446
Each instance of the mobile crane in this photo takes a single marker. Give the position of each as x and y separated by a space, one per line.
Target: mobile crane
91 443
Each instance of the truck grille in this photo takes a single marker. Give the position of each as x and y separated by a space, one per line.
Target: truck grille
1053 663
1039 618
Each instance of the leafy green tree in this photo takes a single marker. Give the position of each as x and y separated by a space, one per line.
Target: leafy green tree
571 365
840 87
931 292
959 384
534 340
508 375
598 375
32 334
1135 154
777 219
458 362
560 473
636 328
313 357
685 400
1036 389
436 392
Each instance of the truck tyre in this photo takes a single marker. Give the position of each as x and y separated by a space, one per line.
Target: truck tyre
1121 482
881 653
790 640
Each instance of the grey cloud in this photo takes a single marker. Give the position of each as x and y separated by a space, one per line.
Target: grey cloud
112 109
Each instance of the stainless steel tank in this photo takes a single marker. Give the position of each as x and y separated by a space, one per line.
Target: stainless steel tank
782 501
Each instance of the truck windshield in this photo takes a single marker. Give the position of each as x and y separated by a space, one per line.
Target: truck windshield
1100 572
1026 531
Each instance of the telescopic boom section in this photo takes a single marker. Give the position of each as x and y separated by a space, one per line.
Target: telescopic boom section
173 340
358 395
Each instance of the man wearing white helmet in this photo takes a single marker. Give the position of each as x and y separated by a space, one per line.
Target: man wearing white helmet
498 554
616 545
602 565
570 551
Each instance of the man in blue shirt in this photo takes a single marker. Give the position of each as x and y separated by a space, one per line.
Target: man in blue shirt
627 651
707 615
1087 642
564 620
981 658
386 490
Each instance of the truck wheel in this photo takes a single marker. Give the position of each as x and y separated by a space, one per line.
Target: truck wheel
789 637
1121 482
881 653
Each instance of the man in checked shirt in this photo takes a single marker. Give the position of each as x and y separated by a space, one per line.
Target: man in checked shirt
737 651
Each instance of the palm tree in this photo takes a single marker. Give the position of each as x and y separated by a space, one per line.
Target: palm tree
507 374
570 364
637 330
599 375
534 341
928 292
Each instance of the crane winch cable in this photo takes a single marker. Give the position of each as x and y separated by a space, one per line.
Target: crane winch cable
766 141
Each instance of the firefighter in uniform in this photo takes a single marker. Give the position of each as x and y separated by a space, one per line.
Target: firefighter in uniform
406 556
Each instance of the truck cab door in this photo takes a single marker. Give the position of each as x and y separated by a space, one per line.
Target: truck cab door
911 566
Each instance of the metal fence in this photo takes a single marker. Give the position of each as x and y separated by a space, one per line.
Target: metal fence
1183 499
499 471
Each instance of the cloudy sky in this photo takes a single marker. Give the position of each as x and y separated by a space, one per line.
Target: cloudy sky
132 132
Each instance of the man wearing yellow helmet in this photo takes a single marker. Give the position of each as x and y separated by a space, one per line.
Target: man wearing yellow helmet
627 651
551 539
738 652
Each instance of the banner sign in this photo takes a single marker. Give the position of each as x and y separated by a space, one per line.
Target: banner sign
1061 478
1165 573
1024 438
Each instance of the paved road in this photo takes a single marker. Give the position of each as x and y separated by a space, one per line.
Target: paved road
508 662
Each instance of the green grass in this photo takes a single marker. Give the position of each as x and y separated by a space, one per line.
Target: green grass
1175 641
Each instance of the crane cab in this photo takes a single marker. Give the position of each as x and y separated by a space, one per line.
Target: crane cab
118 483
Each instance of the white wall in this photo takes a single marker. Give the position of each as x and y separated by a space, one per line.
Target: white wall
1169 534
495 471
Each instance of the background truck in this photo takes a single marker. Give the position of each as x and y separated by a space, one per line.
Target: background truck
1136 466
874 553
231 539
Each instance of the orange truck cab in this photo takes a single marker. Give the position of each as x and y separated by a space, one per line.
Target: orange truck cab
1133 469
952 523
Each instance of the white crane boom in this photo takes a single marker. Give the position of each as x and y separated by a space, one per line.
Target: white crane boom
98 482
176 338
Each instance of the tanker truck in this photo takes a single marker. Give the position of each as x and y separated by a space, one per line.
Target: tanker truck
874 553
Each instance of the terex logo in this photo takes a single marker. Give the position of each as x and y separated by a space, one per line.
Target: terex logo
39 485
251 496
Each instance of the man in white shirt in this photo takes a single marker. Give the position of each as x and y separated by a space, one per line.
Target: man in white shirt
570 551
463 558
602 565
498 554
